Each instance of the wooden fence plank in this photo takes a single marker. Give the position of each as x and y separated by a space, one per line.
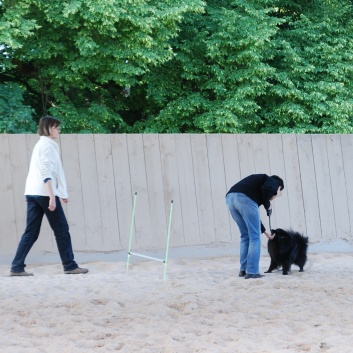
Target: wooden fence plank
218 187
19 171
203 188
105 177
31 141
230 159
124 194
171 188
293 196
155 190
261 154
187 189
309 185
324 188
7 210
90 192
246 155
338 186
347 158
144 236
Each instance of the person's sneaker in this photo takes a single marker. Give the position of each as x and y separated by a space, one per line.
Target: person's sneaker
242 273
77 271
249 275
19 274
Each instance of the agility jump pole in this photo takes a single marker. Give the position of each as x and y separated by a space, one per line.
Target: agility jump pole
130 253
131 231
168 240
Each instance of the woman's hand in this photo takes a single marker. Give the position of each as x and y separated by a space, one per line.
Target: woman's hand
269 236
52 204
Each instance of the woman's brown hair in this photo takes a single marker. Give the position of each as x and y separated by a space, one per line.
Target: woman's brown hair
46 124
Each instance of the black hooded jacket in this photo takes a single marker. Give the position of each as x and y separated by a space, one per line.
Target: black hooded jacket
259 188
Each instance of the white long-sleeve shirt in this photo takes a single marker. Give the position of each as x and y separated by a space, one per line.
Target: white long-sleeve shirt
46 163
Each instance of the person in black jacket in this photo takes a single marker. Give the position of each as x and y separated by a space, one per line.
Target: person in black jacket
243 201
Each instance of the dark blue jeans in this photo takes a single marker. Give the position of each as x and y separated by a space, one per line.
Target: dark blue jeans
37 206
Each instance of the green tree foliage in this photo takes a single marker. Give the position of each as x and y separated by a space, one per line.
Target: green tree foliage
15 117
219 70
311 90
245 66
81 56
254 66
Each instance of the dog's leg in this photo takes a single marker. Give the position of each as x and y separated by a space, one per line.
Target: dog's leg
301 265
273 266
301 261
286 267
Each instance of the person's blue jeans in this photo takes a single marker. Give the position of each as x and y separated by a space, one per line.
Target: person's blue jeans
246 214
37 206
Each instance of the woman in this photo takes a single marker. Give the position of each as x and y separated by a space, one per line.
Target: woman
45 186
243 201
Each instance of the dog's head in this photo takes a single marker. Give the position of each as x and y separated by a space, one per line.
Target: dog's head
283 239
279 233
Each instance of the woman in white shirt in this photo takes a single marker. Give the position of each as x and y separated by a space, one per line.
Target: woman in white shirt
45 186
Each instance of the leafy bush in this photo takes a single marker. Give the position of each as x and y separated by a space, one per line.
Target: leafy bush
15 117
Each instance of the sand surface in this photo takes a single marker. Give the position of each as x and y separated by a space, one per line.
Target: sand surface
202 307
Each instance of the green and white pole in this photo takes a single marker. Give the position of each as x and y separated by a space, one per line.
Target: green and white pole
168 241
131 232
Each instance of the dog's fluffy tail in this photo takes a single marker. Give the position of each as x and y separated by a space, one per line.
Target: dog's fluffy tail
308 265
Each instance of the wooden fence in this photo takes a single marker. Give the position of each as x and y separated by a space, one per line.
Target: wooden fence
195 171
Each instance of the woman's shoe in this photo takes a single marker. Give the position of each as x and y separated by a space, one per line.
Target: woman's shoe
20 274
256 275
76 271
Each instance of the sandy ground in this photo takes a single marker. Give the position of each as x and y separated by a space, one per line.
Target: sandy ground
202 307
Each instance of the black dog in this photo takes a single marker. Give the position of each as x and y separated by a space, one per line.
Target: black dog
287 248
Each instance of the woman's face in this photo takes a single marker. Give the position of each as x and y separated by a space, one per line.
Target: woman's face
55 131
279 193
